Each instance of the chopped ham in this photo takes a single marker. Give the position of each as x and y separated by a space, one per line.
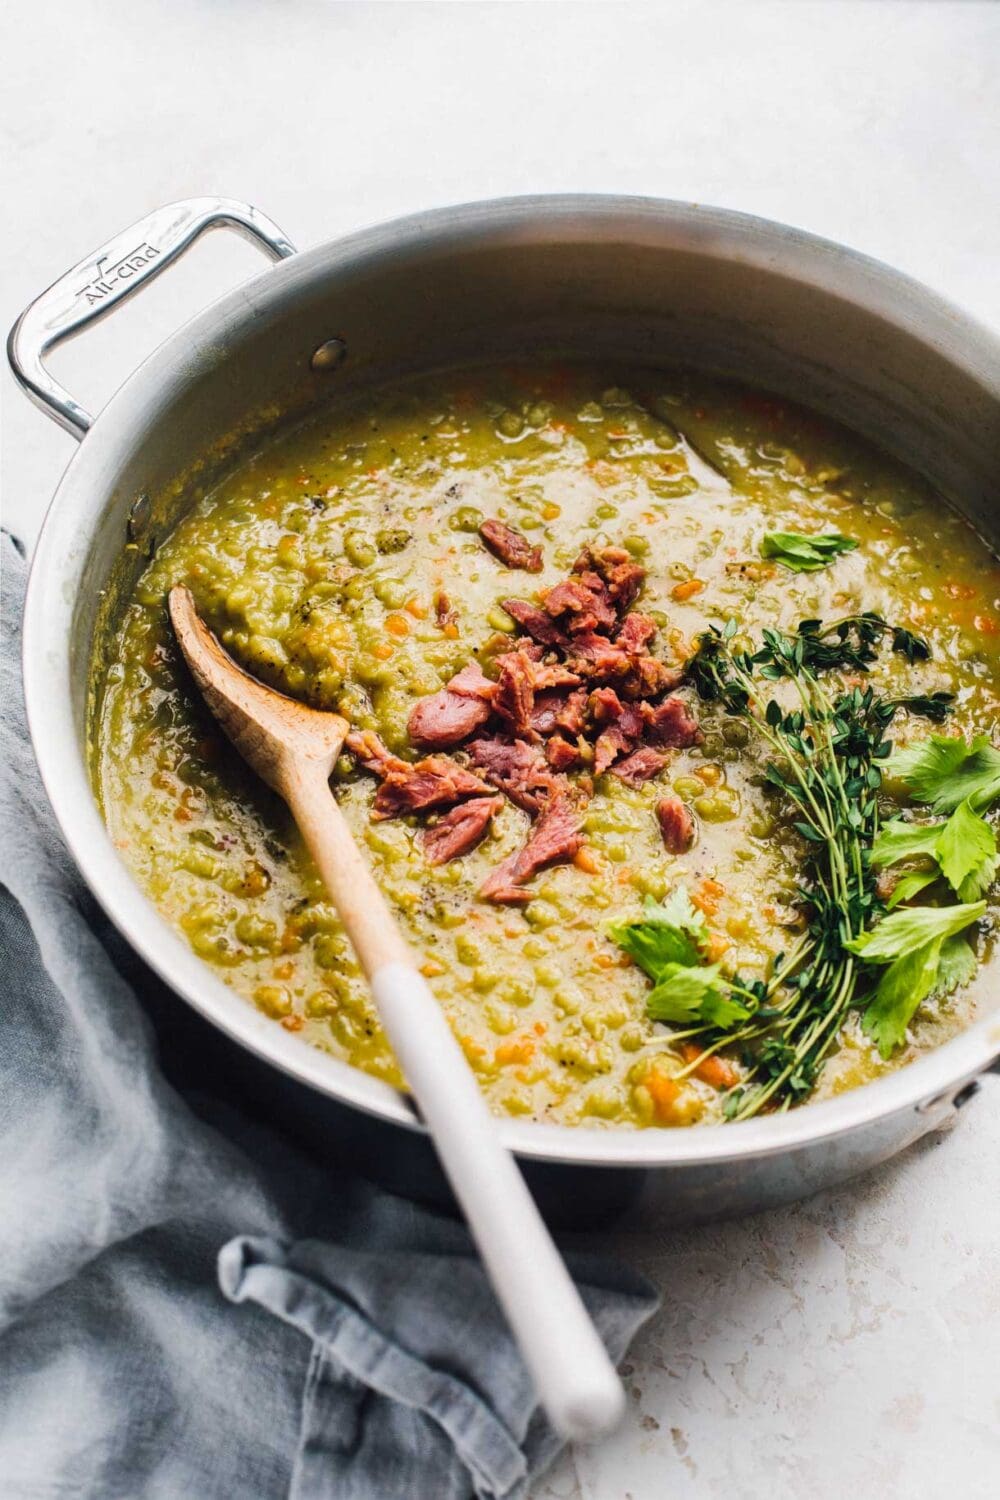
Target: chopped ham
676 824
472 682
546 711
649 676
556 837
623 577
561 754
535 622
605 706
636 633
670 723
611 743
581 605
456 711
511 547
515 691
460 830
372 754
433 782
523 681
596 657
631 721
553 674
516 769
642 765
577 691
571 716
445 719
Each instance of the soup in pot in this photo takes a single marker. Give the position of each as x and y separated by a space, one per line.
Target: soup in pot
670 710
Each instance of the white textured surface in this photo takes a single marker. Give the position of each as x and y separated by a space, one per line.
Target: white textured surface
851 1344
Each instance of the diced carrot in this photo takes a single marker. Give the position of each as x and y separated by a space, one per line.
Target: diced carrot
397 624
451 630
713 1070
687 589
717 946
540 1028
706 897
550 511
664 1092
383 650
517 1049
584 860
292 1023
431 968
416 607
710 775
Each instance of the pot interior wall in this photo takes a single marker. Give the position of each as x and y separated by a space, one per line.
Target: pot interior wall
719 294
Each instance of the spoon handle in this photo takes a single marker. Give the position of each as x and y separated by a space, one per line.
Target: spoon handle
573 1375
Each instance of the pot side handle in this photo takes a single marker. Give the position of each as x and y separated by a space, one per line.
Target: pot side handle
95 286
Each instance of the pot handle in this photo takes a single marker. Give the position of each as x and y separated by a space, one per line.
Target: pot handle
95 286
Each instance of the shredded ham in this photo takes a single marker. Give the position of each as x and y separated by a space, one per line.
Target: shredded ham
556 837
676 824
579 690
460 830
511 547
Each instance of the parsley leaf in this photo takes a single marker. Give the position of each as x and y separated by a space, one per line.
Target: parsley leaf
911 885
898 840
945 772
683 994
967 852
913 927
964 847
957 965
668 942
805 554
674 933
903 986
938 967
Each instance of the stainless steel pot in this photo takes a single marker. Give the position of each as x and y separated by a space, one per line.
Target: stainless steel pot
628 278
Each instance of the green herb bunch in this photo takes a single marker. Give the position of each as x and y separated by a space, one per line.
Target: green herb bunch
829 750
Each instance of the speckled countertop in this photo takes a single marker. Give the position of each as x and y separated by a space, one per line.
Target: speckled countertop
851 1344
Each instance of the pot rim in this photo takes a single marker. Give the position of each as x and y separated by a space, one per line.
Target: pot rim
926 1085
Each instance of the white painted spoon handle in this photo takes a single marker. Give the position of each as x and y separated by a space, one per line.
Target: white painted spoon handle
573 1375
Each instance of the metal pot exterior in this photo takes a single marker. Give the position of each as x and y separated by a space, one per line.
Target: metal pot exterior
632 279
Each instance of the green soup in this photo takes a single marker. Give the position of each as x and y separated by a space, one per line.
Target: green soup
342 564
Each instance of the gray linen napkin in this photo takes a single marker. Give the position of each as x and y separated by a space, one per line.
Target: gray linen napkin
191 1306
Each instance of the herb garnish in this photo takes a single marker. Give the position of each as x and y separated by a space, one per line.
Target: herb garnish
913 943
669 943
946 772
805 554
964 848
829 750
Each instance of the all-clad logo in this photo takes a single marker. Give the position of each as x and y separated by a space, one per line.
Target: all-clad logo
109 278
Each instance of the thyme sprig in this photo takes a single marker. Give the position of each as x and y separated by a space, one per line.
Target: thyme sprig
828 751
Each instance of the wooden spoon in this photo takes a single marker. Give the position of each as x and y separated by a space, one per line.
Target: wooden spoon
293 749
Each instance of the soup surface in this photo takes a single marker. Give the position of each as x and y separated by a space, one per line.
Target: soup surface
344 564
